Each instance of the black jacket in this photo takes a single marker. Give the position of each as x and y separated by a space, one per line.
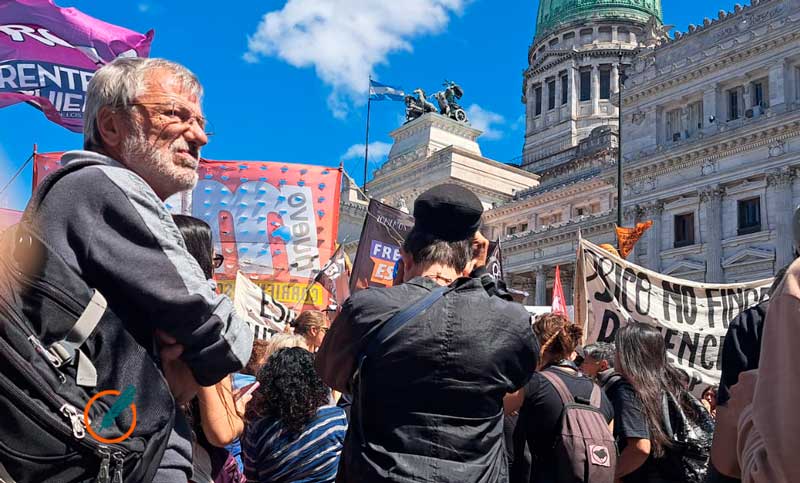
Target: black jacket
432 406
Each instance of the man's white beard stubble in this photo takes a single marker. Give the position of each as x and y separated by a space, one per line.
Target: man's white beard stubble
157 166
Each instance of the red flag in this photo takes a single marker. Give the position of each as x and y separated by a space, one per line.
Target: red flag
44 164
559 305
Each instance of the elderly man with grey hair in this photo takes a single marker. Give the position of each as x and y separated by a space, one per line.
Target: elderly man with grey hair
143 132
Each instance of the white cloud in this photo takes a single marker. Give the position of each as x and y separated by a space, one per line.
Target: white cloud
519 123
378 150
485 120
343 40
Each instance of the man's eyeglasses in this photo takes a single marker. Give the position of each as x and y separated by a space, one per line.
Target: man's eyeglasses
176 113
218 260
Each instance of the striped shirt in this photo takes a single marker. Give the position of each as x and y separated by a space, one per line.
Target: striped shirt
271 455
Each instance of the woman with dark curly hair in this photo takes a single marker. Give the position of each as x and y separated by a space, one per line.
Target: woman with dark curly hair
295 435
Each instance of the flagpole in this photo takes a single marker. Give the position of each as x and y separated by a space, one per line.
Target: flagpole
366 145
619 143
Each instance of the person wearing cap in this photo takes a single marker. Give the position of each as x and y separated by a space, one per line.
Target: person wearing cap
430 406
743 358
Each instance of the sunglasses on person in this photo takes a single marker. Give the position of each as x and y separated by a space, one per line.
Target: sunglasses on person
218 260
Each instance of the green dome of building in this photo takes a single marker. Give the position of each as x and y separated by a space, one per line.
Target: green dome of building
556 13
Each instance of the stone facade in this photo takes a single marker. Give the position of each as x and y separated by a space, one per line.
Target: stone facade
711 148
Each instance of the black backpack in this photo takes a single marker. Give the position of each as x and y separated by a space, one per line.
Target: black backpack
60 346
691 432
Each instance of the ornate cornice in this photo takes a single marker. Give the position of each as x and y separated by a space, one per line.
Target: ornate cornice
567 231
531 202
695 69
711 193
712 149
782 177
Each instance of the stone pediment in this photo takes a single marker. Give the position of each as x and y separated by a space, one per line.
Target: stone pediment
748 256
685 266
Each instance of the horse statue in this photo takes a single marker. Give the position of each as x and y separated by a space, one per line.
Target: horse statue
419 105
448 102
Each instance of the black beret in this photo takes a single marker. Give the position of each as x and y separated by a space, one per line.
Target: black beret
448 211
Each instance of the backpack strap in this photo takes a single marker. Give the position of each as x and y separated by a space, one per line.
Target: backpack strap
65 349
595 400
558 384
391 327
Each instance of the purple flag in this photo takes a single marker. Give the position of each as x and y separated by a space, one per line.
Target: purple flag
48 55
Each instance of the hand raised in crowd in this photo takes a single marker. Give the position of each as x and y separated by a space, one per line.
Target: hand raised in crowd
181 381
480 249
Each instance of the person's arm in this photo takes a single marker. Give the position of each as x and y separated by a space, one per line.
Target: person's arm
633 456
131 251
220 414
335 360
769 429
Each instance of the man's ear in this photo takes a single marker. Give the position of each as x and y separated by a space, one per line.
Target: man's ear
603 365
110 127
408 265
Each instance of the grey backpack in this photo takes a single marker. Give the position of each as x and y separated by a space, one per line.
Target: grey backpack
584 448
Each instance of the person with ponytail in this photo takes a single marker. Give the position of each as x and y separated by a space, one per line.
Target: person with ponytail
539 418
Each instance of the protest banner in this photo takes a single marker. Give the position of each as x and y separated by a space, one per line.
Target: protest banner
692 316
384 230
49 54
274 222
335 277
260 310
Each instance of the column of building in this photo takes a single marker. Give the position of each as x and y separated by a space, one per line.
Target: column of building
780 183
541 285
712 199
654 213
595 89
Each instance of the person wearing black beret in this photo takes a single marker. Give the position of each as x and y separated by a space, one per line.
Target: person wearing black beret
427 362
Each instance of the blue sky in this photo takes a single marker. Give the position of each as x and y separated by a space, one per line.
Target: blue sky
291 86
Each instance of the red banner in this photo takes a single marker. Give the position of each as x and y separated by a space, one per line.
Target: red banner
276 222
44 164
273 221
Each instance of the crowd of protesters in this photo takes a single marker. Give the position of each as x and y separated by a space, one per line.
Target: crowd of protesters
440 378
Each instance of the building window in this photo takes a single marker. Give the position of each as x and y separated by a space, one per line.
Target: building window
551 94
749 215
586 36
623 35
523 227
760 93
797 83
586 85
684 230
553 42
580 211
733 104
538 100
564 89
605 83
604 34
511 230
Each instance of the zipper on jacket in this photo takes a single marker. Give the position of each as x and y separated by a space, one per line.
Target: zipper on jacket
76 419
119 463
103 476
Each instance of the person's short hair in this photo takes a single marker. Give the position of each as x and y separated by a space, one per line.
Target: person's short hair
427 249
197 237
308 319
601 351
118 83
283 341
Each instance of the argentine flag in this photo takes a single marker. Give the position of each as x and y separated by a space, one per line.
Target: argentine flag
382 92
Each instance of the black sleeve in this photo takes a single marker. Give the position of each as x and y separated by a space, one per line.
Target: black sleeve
606 407
741 349
629 418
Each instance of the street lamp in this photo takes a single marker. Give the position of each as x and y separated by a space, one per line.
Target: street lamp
620 81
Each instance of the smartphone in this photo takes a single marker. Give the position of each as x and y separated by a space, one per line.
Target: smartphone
250 389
